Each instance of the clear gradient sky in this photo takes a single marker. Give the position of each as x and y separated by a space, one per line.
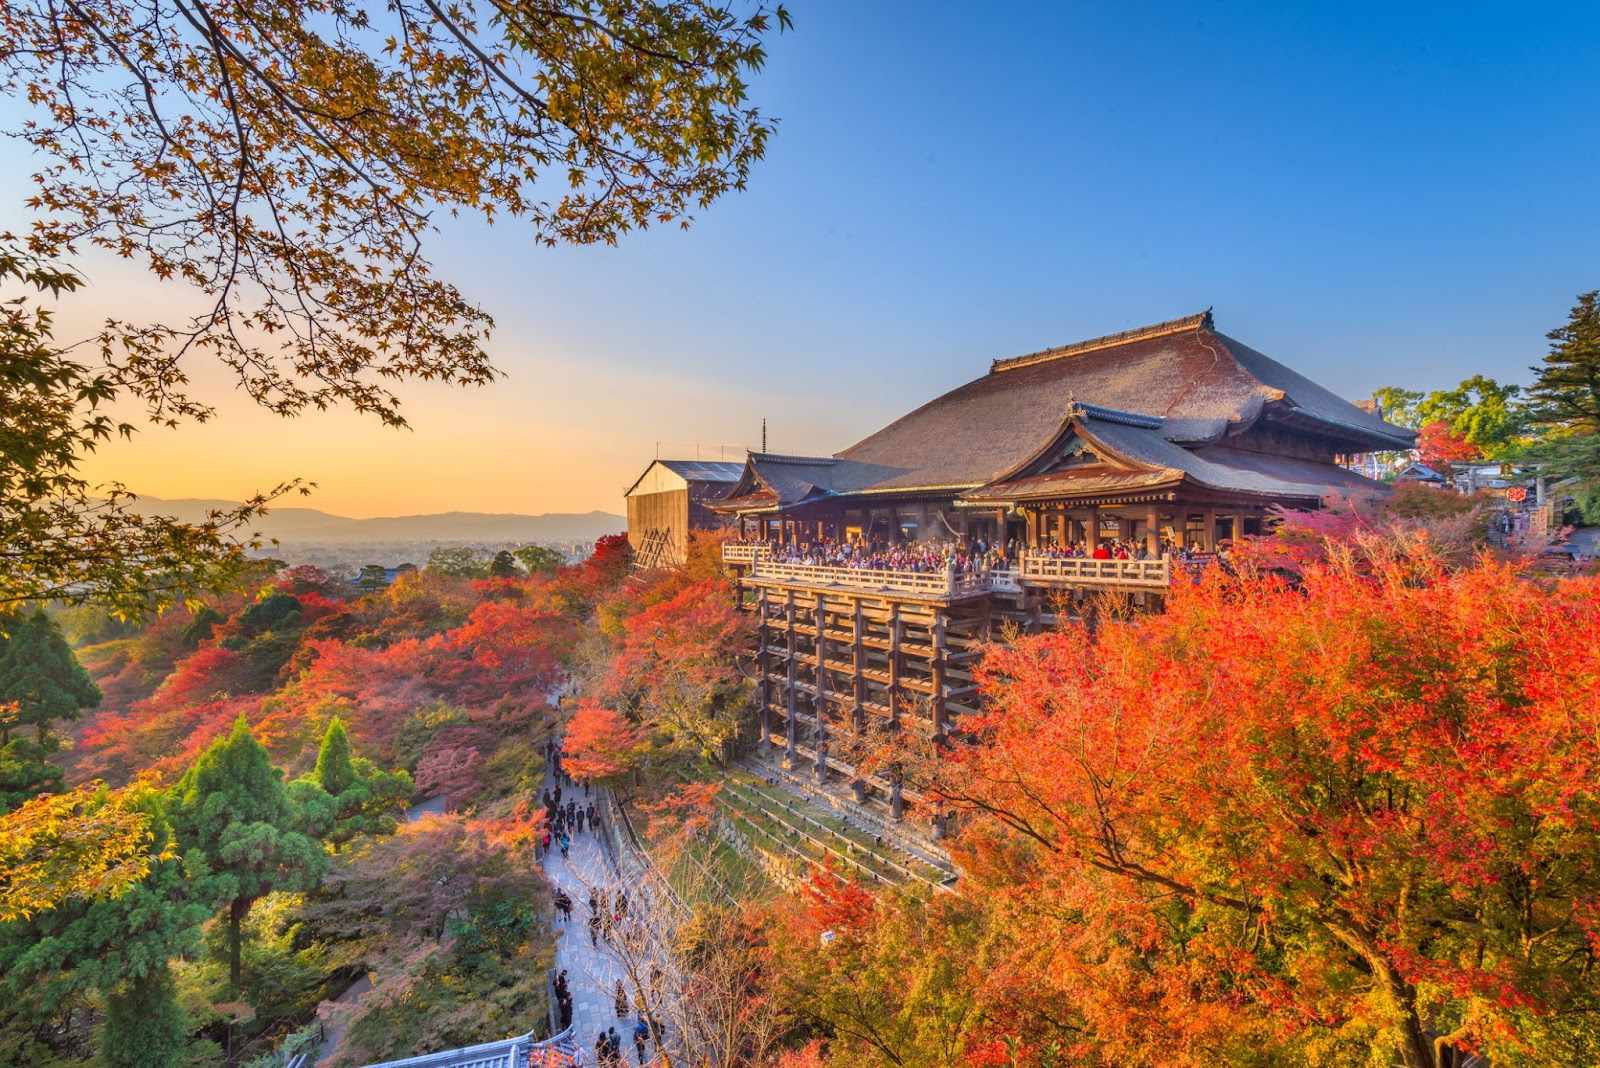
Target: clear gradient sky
1373 193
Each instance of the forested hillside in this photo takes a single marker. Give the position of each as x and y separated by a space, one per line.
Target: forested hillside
259 751
1336 805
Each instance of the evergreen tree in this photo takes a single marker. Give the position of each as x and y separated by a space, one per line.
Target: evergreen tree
334 772
1567 391
345 796
504 565
537 558
39 673
145 1027
118 947
41 683
233 809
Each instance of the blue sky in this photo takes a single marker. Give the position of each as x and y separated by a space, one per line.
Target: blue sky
1374 194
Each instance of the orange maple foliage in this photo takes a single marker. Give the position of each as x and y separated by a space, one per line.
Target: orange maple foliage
1360 811
1438 446
601 745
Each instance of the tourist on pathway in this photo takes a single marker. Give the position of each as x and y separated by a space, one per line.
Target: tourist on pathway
616 1045
641 1031
566 844
623 1008
594 930
580 821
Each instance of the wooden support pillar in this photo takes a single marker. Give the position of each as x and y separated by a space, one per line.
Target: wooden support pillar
939 671
1152 532
895 631
794 679
858 714
819 738
764 636
1091 529
858 654
897 804
1209 536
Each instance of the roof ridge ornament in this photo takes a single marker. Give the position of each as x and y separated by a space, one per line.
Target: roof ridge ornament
1202 321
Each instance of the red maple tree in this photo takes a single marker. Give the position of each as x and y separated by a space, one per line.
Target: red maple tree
1362 810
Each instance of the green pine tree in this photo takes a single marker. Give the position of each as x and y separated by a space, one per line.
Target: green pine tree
504 565
1567 391
334 772
145 1027
233 809
40 674
346 796
41 684
117 947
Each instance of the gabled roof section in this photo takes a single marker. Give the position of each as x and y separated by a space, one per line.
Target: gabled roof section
769 479
1141 458
1200 384
692 471
1171 326
705 470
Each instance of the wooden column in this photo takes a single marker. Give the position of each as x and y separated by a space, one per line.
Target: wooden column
819 738
1152 532
794 679
1091 529
858 715
859 659
1209 536
764 636
895 631
939 670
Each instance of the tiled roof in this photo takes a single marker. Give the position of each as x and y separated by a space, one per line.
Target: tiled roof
1176 391
1156 461
1199 382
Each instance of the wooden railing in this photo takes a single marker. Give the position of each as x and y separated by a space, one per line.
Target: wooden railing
1076 571
744 552
932 584
1091 572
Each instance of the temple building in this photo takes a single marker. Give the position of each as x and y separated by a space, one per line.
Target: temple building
670 499
1163 442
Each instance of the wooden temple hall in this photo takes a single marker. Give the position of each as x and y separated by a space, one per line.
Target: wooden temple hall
1162 442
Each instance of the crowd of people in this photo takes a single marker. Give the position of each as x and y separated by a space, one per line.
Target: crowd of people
609 915
562 821
964 556
916 557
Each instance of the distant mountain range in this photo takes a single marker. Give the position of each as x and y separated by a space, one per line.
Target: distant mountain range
312 526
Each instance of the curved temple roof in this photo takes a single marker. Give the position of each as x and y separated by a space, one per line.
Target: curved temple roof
1176 390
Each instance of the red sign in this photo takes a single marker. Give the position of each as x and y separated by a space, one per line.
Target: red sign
1516 493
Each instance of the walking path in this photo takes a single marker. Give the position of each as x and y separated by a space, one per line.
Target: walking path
629 951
